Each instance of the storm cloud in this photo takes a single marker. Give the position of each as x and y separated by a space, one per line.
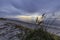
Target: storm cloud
24 7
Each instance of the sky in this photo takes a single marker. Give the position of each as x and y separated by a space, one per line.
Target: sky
14 8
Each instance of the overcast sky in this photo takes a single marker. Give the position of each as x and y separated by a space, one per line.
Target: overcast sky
28 7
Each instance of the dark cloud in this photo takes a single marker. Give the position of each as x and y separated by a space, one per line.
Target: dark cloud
35 5
30 5
23 7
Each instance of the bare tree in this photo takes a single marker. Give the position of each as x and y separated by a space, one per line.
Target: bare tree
42 18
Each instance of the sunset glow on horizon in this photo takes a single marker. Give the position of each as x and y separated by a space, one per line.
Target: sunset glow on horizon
29 18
